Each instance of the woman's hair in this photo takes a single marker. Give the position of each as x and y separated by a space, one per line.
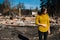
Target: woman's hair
42 11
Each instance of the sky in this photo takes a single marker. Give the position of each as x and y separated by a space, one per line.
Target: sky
28 3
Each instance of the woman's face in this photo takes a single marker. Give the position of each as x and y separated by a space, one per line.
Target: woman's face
45 11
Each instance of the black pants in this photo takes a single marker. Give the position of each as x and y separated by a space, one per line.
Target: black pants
45 34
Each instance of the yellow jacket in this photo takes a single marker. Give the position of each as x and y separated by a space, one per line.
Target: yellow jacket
43 19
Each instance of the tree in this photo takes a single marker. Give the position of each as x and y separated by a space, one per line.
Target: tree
21 6
6 7
6 4
1 8
50 5
36 8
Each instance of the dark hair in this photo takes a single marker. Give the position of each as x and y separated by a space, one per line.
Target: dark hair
41 11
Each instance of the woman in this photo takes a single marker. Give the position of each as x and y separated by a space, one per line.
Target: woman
42 20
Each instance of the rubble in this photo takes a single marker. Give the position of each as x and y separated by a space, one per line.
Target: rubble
23 31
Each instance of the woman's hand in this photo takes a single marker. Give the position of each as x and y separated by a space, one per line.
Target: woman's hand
44 25
49 32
